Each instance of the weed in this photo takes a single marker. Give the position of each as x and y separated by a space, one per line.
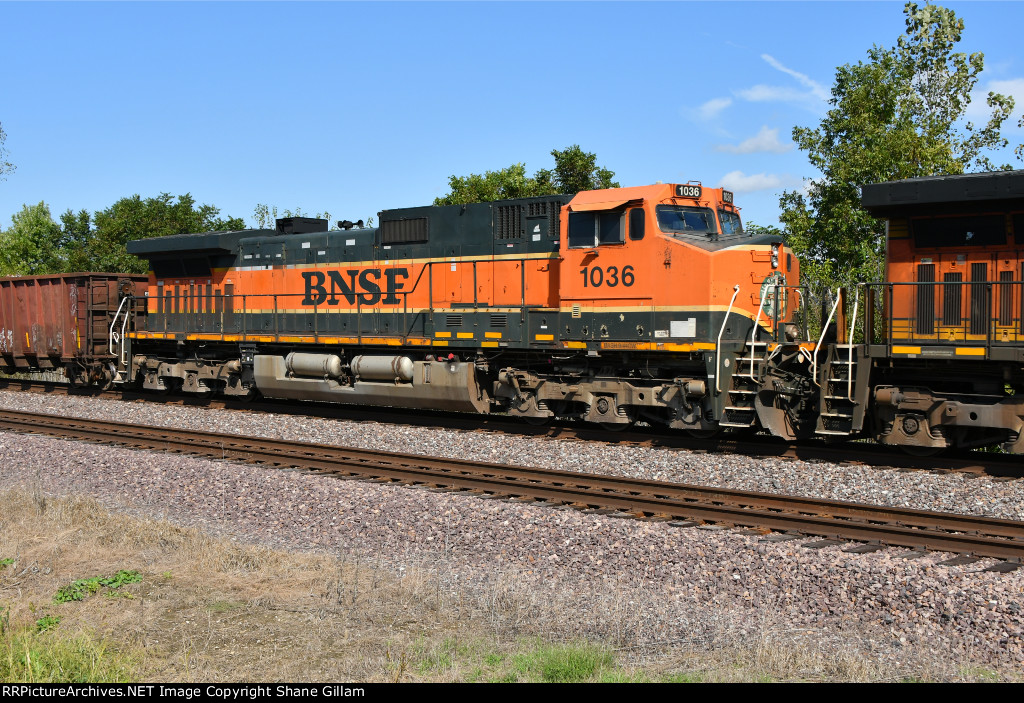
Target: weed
26 656
570 663
4 563
81 588
47 622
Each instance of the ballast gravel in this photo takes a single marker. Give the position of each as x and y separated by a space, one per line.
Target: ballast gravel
636 584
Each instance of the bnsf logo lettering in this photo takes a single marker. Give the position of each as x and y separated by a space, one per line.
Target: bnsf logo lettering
350 283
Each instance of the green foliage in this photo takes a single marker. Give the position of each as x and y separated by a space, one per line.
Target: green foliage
5 562
895 116
571 663
28 655
266 216
574 170
1020 147
31 246
135 218
35 244
5 166
81 588
47 622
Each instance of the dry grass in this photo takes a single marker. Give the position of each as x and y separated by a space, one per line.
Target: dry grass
211 610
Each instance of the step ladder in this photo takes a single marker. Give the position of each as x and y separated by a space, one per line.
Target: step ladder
839 414
741 411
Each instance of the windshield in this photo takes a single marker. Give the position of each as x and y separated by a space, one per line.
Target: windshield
676 219
730 222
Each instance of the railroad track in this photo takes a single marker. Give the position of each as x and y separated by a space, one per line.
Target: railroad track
998 466
659 500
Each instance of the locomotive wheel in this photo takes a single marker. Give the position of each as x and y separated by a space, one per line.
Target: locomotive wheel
251 394
537 421
107 379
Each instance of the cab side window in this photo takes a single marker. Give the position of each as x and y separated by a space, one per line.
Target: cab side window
636 223
589 229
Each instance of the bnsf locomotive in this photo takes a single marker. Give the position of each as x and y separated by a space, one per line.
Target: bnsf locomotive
611 305
647 303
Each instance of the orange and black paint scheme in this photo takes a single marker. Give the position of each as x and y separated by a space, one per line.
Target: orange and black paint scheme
612 305
942 363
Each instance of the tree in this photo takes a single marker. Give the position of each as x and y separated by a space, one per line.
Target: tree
1020 147
76 233
101 244
5 166
895 116
31 246
266 216
574 170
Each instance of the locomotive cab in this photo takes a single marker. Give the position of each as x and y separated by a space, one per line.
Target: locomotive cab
667 272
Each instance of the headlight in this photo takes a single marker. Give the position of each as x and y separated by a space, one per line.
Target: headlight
775 256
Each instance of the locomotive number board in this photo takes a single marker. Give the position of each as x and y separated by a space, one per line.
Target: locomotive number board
689 191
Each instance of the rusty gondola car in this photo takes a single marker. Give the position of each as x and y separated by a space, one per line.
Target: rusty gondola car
69 322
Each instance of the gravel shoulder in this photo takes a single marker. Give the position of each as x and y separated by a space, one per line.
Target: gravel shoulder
639 586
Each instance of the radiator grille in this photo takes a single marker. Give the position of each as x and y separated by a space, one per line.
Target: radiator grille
499 319
403 231
507 222
453 320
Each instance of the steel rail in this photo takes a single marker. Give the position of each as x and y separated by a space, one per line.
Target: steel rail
980 536
999 466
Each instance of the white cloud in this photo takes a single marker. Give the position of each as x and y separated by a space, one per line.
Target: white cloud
979 112
817 89
811 93
767 140
712 108
739 182
773 93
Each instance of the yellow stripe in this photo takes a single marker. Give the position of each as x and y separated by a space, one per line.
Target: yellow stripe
440 343
443 334
627 345
970 351
488 344
465 335
492 335
703 345
575 345
906 350
541 337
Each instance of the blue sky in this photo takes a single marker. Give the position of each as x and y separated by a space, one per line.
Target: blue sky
356 107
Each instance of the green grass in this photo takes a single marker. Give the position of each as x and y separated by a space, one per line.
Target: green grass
563 663
28 656
4 563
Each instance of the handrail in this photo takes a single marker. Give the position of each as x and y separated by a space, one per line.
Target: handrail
753 332
111 333
849 348
718 344
824 329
